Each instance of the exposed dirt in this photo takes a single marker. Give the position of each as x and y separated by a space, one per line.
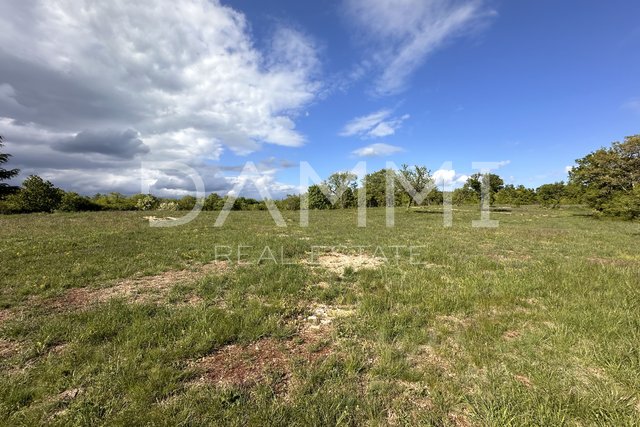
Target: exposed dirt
266 360
269 360
144 289
511 335
8 348
338 262
428 356
525 381
5 315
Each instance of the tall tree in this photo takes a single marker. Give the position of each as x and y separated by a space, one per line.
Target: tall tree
474 183
550 195
6 174
342 187
609 173
418 178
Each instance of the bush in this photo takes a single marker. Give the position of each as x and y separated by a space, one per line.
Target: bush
168 205
115 202
73 202
36 195
146 202
186 203
624 205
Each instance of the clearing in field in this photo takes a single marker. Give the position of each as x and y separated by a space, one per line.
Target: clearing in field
533 322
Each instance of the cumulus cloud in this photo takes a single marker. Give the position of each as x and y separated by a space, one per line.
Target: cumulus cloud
403 33
374 125
162 80
377 150
449 178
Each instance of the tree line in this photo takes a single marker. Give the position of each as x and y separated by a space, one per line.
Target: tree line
606 180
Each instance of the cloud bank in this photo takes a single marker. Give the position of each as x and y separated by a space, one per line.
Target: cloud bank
87 88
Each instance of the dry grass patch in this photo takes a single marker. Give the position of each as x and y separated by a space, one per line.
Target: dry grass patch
337 262
136 290
8 348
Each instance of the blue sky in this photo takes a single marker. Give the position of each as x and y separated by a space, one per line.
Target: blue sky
542 84
212 84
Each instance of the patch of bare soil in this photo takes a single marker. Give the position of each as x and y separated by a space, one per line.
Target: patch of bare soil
5 315
525 381
8 348
430 357
511 335
338 262
269 359
142 289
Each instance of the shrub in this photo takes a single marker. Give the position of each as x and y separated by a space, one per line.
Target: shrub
73 202
36 195
147 202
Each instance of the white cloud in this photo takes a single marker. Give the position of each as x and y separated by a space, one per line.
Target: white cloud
185 77
448 178
568 169
377 150
374 125
403 33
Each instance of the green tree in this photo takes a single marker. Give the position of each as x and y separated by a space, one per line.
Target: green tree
6 174
116 201
517 196
213 202
550 195
418 177
375 185
465 196
146 202
342 188
474 183
37 195
74 202
317 199
609 174
186 203
289 203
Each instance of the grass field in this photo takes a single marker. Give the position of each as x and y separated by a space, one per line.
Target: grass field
105 320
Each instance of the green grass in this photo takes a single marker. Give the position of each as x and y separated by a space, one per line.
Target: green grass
536 322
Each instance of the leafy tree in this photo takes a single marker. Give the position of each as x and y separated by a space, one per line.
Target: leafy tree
550 195
213 202
186 203
290 203
517 196
342 187
465 196
36 195
146 202
116 201
74 202
474 183
317 199
6 174
418 178
375 185
609 176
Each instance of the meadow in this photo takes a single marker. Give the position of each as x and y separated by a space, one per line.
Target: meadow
106 320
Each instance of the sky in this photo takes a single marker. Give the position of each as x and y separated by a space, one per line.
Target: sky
98 96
